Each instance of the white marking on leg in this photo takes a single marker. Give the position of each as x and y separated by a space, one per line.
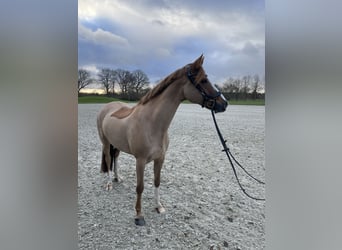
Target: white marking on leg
109 181
159 206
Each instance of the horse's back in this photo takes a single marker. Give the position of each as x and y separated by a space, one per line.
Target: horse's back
111 107
123 112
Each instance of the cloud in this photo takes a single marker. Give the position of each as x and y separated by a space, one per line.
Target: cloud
250 49
100 37
92 69
161 36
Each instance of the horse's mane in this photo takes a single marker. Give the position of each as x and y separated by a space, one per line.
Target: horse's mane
160 87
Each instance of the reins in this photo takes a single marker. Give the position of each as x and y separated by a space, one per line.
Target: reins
231 158
209 101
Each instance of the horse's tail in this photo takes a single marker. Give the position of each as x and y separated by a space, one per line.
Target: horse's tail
104 166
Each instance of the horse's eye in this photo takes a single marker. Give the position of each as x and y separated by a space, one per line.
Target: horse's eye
204 81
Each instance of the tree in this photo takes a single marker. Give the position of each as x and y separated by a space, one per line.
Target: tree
140 81
245 86
255 86
132 84
124 79
113 79
84 79
231 88
106 79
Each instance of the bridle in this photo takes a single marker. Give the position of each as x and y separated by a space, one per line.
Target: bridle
209 101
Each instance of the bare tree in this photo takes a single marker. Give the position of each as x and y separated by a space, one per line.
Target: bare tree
255 86
114 79
84 79
140 81
245 86
231 88
124 79
105 78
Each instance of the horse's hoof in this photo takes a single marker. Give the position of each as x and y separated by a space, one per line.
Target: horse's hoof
160 210
109 186
117 179
140 221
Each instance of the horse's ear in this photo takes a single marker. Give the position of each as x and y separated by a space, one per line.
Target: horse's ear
198 63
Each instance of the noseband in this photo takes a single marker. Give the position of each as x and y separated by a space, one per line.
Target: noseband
209 101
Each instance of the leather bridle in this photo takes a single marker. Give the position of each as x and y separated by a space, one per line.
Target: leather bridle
209 101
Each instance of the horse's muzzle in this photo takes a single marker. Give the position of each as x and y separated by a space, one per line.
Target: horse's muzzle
220 104
220 107
217 104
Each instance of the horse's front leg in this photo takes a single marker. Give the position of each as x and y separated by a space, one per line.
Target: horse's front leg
158 163
140 167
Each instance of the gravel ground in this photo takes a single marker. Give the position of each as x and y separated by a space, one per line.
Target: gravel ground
205 209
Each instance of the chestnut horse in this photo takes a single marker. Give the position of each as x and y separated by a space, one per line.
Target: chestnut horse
142 130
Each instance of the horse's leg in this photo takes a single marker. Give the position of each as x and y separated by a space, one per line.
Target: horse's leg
116 164
140 167
158 163
107 164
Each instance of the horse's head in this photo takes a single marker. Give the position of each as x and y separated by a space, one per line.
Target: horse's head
199 89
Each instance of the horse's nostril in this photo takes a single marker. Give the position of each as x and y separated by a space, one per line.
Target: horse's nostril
220 107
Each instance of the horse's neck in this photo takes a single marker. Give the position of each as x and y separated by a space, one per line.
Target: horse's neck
164 106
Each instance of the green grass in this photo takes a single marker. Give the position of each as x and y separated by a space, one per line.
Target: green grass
260 102
97 99
105 99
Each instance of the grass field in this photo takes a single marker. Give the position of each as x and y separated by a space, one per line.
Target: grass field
259 102
97 99
105 99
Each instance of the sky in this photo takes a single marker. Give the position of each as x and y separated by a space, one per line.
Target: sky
160 36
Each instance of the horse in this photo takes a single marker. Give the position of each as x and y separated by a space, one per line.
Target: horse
142 130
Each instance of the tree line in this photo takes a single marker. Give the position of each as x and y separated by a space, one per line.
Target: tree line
243 88
133 85
119 83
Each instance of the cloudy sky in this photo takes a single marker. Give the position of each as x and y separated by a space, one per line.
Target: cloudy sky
160 36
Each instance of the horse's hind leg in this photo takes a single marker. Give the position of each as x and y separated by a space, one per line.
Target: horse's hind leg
108 153
116 164
158 163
